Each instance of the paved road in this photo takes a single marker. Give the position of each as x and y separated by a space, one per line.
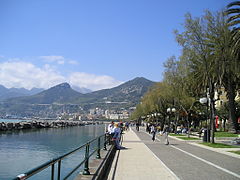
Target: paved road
192 162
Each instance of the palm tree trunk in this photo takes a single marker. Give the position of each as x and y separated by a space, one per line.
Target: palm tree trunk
232 107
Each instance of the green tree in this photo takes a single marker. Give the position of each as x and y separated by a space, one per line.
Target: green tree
194 41
220 40
233 14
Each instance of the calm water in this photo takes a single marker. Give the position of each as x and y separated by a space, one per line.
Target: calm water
24 150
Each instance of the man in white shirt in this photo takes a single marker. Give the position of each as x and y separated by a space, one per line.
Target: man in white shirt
110 132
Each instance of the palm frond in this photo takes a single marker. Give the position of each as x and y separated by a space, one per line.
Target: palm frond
234 17
235 3
232 11
233 23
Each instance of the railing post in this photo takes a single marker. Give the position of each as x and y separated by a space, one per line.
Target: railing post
99 148
109 139
105 142
86 168
59 169
52 176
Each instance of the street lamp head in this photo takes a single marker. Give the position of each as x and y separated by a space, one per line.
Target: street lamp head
170 110
203 100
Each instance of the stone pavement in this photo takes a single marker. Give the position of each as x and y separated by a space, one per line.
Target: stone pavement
219 150
143 159
137 162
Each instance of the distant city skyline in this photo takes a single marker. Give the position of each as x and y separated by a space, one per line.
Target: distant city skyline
90 44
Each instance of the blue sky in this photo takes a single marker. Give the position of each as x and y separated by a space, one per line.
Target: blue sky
90 43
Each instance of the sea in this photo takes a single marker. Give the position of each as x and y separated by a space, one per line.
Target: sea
23 150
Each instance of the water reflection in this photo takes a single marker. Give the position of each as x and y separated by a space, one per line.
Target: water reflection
23 150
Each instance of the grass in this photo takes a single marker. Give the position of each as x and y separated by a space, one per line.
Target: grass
218 145
236 152
188 138
172 134
225 134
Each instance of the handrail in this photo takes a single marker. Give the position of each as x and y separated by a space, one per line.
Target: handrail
60 158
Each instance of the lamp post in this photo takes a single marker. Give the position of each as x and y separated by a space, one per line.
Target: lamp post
205 101
170 111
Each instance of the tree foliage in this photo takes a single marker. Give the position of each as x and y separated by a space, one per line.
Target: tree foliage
209 61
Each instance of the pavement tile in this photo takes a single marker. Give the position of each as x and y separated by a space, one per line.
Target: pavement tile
137 162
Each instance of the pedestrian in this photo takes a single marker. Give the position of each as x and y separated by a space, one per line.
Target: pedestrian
153 131
166 131
120 125
110 132
127 126
137 126
117 136
148 128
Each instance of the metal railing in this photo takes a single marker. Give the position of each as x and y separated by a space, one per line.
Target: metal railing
58 160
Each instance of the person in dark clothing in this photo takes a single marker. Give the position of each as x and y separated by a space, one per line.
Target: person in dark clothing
137 126
153 131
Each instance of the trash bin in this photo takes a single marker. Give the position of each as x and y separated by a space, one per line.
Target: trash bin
206 135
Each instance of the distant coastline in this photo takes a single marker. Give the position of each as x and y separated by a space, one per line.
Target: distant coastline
13 120
19 124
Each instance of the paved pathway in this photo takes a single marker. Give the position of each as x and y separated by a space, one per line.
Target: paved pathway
145 159
137 162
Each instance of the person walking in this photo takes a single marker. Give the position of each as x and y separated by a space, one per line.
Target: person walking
148 128
127 126
153 131
137 126
166 131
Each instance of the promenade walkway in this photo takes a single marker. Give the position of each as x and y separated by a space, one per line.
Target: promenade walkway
137 162
143 159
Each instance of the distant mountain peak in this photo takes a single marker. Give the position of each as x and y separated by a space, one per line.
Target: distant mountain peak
63 85
140 79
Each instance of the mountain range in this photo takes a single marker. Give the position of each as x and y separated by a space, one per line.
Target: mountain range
6 93
123 96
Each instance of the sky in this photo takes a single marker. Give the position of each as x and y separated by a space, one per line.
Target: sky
95 44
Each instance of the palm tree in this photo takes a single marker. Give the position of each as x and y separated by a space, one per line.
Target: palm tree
198 51
233 13
232 76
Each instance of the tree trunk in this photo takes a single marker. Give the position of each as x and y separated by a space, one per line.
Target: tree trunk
233 125
212 110
188 126
224 124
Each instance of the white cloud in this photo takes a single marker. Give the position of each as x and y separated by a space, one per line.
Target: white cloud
58 59
24 74
27 75
92 81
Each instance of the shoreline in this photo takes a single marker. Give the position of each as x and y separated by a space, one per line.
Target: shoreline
39 124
